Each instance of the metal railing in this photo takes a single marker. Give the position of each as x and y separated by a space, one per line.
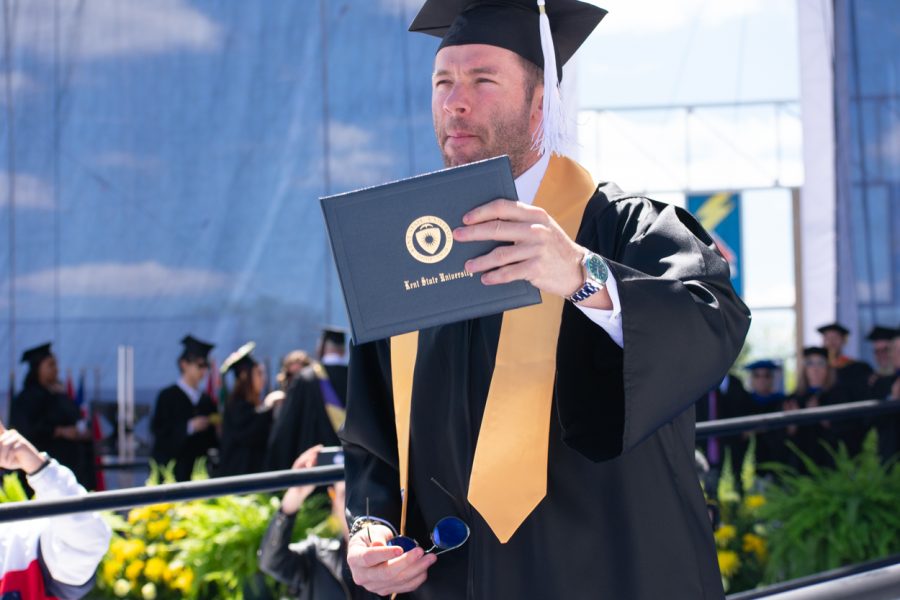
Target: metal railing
777 420
873 580
171 492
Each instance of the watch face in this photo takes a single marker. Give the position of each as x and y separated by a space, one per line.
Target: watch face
596 268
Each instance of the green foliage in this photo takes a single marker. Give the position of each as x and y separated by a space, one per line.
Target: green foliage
12 490
741 546
198 549
831 517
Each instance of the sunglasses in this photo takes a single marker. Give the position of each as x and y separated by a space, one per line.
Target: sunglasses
449 534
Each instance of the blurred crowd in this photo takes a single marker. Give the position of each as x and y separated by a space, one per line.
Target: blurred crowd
825 376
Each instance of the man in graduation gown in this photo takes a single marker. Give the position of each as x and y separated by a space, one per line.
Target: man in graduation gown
313 410
609 505
183 423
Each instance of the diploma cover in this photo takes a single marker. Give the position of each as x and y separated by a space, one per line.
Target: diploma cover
399 267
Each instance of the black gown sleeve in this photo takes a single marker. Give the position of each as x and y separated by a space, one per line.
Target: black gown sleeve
278 560
682 322
169 428
369 436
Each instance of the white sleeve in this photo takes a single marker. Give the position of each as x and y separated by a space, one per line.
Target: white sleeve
609 320
71 545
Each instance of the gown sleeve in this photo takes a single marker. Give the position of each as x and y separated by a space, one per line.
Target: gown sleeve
683 327
169 429
369 436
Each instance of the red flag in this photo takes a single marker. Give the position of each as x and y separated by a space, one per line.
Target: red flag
98 459
70 385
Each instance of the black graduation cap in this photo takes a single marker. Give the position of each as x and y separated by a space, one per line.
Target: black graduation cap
815 351
510 24
240 359
335 335
769 365
834 327
194 348
881 333
34 356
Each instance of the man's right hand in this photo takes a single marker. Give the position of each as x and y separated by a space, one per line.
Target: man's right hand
383 569
199 423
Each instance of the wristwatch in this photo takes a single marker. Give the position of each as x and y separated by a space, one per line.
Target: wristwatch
595 275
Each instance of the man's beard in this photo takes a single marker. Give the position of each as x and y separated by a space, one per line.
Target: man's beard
510 136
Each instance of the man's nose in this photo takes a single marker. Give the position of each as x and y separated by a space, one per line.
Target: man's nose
457 101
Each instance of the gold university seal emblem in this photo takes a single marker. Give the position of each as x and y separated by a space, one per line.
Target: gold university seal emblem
429 239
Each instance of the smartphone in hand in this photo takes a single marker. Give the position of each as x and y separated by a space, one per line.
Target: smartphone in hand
330 455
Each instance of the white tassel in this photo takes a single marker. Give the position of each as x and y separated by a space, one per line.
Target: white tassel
552 135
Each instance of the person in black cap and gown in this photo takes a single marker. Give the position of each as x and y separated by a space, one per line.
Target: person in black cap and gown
183 423
885 372
314 408
885 385
727 400
246 423
43 413
853 375
816 386
562 434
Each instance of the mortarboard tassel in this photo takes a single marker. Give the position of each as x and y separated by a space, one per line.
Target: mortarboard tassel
552 135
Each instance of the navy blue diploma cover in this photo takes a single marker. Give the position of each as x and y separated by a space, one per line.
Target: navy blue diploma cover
398 264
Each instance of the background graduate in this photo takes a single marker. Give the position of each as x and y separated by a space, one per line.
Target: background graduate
247 421
184 417
43 413
313 410
561 433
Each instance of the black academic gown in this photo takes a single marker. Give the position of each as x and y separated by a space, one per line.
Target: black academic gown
624 516
245 433
171 440
301 424
36 413
734 401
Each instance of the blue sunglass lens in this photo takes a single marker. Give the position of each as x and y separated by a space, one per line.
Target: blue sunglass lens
450 533
404 542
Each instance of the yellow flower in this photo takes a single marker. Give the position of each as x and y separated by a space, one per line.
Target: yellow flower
724 534
121 588
155 569
117 548
754 501
755 544
157 528
729 563
133 571
132 548
136 515
111 569
173 570
176 533
184 581
148 591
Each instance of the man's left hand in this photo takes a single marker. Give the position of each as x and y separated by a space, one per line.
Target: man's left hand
541 252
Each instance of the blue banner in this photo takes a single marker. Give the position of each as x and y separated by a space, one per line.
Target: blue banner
720 215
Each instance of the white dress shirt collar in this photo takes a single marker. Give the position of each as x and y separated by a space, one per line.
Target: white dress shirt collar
192 394
527 183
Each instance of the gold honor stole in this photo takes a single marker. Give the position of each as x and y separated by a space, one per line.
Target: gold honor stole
509 470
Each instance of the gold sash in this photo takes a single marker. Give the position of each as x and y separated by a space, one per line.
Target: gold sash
509 471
